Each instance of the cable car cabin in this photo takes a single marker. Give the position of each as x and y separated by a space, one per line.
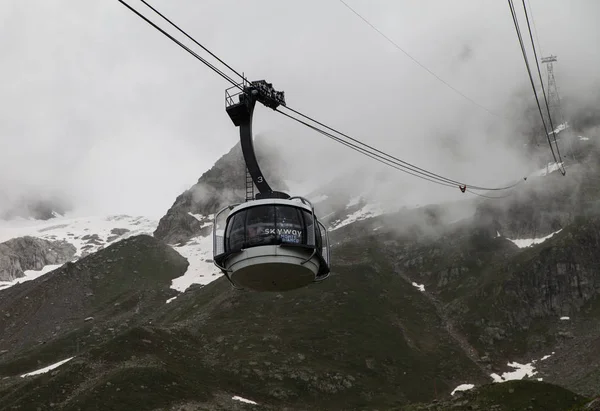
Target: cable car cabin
271 245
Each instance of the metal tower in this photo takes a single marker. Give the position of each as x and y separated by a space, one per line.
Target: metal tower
554 100
553 97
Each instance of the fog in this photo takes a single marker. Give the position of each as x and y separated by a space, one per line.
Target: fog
102 110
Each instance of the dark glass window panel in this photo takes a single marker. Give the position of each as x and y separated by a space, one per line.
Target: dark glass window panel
320 234
290 226
260 226
236 231
271 225
319 240
312 240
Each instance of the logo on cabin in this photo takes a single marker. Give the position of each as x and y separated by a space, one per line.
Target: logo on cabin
282 231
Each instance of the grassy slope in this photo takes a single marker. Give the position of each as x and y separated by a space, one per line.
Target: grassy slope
363 338
119 287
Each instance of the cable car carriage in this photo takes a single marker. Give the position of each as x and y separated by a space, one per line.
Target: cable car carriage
271 242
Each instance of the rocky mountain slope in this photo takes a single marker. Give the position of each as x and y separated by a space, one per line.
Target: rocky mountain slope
421 301
264 347
29 253
367 339
108 287
222 185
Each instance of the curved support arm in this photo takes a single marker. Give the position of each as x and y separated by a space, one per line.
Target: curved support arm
241 114
246 141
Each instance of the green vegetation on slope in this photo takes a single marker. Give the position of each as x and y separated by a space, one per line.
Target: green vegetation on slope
84 303
364 338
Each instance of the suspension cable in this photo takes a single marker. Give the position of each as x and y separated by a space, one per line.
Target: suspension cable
537 63
369 151
522 44
191 38
366 152
420 170
206 62
537 37
392 42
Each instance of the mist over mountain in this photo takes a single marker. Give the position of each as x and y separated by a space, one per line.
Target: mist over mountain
127 111
33 206
116 152
423 301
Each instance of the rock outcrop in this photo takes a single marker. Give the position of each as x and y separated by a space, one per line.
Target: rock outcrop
542 205
220 186
30 253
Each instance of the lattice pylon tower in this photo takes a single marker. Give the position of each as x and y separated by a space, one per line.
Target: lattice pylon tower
553 97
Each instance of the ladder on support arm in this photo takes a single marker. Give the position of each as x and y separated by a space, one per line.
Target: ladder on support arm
249 186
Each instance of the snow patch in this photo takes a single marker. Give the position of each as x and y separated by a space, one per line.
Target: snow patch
198 251
368 211
528 242
207 220
462 387
565 318
87 234
354 201
545 357
560 128
550 168
46 369
29 275
196 216
421 287
238 398
72 230
201 270
521 371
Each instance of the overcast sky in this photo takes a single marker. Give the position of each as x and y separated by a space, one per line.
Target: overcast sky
100 107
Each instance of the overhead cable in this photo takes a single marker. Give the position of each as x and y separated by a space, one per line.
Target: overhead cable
537 63
180 44
537 37
366 149
417 169
191 38
457 91
366 152
522 44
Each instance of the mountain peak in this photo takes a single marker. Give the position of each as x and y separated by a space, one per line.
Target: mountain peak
218 187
